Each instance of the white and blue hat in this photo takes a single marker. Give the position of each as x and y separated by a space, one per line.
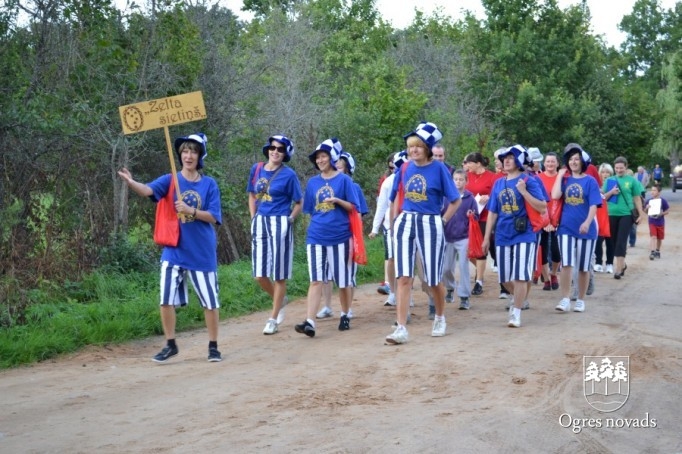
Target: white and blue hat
519 152
573 148
283 140
350 161
330 146
199 138
534 155
428 133
399 159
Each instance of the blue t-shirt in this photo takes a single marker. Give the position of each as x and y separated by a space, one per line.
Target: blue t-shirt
579 195
196 249
508 203
425 187
284 189
363 210
329 222
658 173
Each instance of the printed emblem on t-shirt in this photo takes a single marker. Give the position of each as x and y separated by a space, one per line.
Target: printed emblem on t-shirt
574 195
508 202
322 194
415 189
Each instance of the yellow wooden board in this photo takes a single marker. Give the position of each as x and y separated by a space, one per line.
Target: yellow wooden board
163 112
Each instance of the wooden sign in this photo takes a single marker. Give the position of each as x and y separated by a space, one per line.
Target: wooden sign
163 112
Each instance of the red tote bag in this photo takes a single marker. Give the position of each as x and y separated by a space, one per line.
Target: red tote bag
167 224
359 252
475 238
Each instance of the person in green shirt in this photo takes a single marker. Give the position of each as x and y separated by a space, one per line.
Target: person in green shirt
622 193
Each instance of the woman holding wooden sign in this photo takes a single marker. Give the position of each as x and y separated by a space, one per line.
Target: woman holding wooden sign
194 257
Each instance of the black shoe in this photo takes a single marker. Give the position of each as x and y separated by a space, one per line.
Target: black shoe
305 328
214 355
477 290
165 354
344 323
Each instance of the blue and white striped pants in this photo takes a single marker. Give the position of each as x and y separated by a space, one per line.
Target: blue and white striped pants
272 247
419 233
174 290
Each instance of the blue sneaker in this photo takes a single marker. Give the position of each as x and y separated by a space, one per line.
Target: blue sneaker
384 289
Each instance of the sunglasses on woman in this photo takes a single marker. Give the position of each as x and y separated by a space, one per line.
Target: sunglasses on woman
280 148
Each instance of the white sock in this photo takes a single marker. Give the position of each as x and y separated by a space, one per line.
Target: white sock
343 313
312 322
517 312
440 318
478 281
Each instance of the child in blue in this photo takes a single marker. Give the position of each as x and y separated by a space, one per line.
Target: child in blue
195 257
577 230
457 244
273 188
515 241
329 198
418 228
346 165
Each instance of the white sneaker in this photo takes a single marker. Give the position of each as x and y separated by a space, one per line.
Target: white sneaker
598 269
280 316
438 328
399 336
325 312
609 269
391 300
270 327
350 313
510 303
411 302
526 305
564 305
514 320
579 306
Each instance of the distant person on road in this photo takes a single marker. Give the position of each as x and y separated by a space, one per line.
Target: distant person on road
656 207
623 194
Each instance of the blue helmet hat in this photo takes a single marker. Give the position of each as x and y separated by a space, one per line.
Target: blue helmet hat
428 133
519 152
199 138
573 148
399 159
283 140
350 161
332 147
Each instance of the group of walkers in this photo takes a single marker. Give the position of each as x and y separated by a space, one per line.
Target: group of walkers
424 209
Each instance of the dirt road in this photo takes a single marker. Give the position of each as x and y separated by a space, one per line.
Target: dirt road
482 388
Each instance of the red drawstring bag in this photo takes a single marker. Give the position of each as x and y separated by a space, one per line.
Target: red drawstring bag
537 220
359 252
603 220
555 208
167 224
475 238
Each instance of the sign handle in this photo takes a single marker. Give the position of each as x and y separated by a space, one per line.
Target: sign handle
174 174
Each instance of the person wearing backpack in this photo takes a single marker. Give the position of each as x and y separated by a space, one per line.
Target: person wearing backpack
515 240
273 189
577 230
194 258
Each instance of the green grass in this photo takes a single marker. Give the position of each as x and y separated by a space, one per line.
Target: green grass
110 308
